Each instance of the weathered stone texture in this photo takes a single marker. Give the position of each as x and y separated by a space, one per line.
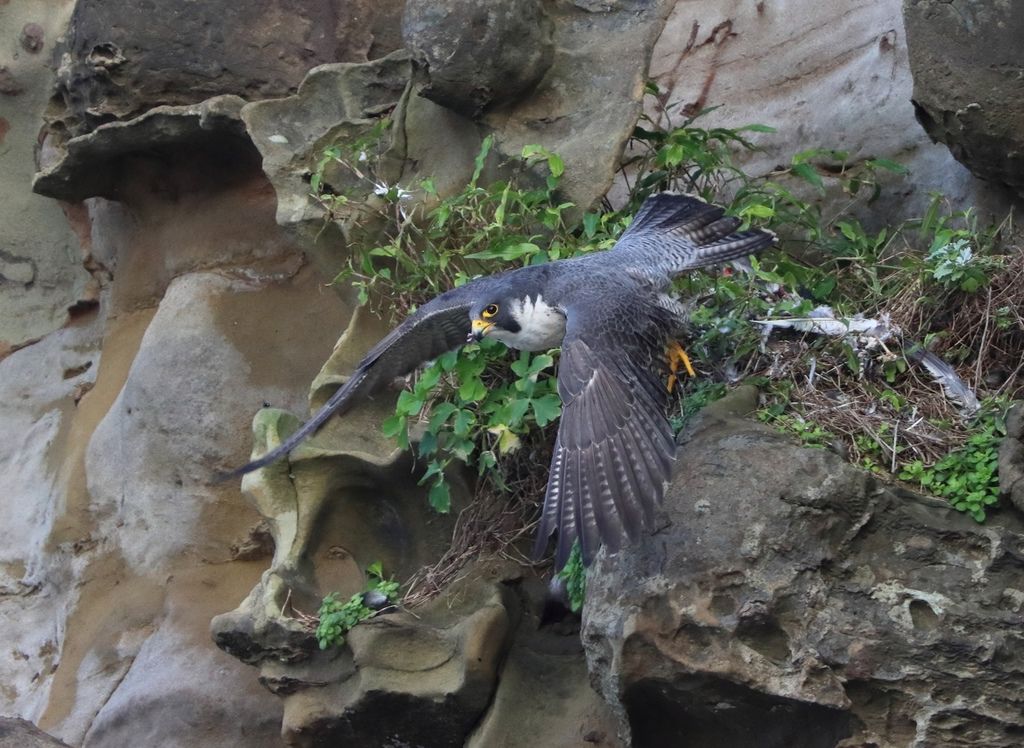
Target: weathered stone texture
1011 458
824 75
967 60
476 53
790 601
122 58
18 733
41 273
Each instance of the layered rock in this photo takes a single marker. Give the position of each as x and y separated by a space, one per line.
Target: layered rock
788 600
122 58
117 550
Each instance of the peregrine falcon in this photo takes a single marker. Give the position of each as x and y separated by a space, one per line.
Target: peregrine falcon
614 317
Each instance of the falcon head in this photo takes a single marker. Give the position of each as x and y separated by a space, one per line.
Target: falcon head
525 322
494 318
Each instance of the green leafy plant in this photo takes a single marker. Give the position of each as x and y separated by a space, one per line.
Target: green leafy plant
476 405
574 574
487 407
809 433
954 263
337 618
969 476
696 394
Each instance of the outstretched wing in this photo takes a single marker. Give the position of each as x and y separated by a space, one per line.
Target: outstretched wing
615 448
436 327
672 234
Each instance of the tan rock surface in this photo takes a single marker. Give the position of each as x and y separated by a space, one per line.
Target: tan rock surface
41 273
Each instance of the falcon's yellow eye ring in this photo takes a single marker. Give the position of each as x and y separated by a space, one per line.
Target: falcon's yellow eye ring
489 311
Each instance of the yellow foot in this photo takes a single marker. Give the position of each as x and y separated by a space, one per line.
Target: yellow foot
676 355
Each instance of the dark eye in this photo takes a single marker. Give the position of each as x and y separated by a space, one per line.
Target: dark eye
490 310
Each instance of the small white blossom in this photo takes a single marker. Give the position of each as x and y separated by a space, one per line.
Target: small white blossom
395 193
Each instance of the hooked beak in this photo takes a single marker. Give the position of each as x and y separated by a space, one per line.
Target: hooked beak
479 328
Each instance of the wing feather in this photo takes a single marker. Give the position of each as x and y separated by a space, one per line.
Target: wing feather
615 447
674 233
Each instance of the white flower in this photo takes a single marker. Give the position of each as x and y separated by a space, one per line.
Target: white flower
393 193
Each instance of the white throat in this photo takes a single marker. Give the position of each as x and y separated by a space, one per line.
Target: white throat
541 326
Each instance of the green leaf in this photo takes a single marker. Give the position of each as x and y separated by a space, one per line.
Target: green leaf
439 414
756 128
440 497
481 159
507 439
408 404
521 366
824 288
757 210
574 574
447 360
809 174
393 426
472 390
852 360
517 410
463 420
546 409
507 252
430 377
884 163
428 444
556 165
540 362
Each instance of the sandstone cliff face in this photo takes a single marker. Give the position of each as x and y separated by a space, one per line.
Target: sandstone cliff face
174 280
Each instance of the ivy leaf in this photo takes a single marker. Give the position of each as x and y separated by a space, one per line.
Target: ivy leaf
440 497
546 409
408 404
507 439
472 390
430 377
517 410
463 420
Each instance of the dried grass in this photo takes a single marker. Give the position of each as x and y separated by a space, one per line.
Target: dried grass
981 334
503 511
